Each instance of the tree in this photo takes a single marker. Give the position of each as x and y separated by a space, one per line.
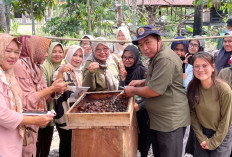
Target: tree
198 21
35 8
78 16
3 25
222 5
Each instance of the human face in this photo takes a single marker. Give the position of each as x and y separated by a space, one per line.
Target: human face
86 45
179 50
121 36
227 43
77 58
41 61
128 59
11 56
203 70
148 46
102 52
194 46
57 54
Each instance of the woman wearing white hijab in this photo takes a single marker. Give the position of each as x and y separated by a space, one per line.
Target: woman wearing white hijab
72 74
122 33
101 73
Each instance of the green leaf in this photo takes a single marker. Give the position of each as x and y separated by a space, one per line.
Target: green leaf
190 29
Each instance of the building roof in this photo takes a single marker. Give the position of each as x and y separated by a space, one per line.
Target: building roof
163 2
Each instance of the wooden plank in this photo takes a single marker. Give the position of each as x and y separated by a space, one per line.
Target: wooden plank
80 120
105 142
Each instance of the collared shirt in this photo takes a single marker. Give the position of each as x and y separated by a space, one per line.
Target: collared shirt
170 110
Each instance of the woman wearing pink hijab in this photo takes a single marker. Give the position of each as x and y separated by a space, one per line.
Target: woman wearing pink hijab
11 119
29 75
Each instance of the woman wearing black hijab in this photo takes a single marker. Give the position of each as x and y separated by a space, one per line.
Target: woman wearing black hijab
136 71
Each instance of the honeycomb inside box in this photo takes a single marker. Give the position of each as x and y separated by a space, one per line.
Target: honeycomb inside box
102 102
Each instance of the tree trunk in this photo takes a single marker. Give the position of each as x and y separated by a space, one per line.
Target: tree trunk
57 10
7 13
3 25
32 19
198 22
134 13
89 18
119 13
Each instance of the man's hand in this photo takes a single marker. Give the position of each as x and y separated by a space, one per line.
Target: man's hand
129 90
137 83
137 108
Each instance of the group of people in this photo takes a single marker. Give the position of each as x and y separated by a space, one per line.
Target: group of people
181 105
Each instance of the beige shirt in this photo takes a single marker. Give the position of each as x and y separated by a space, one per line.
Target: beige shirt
213 112
170 110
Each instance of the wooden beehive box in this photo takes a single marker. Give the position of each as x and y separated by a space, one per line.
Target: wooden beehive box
105 134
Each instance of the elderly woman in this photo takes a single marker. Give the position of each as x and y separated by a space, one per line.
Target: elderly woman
117 48
101 73
11 119
224 53
54 59
29 76
71 73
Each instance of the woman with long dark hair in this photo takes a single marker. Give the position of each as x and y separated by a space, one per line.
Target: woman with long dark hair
210 101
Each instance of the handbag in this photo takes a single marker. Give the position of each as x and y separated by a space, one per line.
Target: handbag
28 138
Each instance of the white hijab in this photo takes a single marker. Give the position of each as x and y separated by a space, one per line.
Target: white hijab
77 70
117 48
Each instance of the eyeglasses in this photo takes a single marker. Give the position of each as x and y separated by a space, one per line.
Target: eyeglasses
127 58
193 45
100 50
198 67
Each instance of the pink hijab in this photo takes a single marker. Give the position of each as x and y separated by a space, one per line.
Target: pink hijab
34 49
8 77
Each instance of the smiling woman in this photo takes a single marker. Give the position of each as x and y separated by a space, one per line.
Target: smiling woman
72 74
54 59
101 72
225 53
11 119
208 94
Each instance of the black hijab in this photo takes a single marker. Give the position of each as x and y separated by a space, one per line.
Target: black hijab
137 70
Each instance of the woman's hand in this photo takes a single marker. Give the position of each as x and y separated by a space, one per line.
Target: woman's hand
186 58
66 68
42 120
123 74
59 86
93 66
203 145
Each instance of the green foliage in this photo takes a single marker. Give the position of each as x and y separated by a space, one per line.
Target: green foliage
190 29
14 27
224 5
35 7
73 19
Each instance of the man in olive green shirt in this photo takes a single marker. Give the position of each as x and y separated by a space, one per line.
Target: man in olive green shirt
164 95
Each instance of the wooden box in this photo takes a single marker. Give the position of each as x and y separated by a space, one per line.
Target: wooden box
105 134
